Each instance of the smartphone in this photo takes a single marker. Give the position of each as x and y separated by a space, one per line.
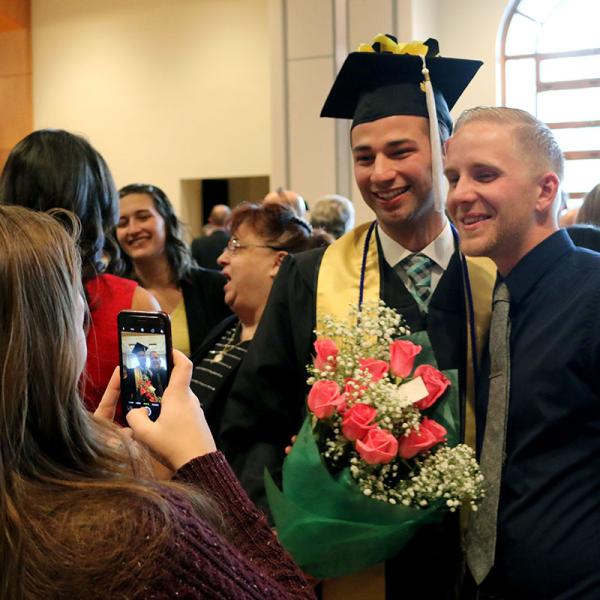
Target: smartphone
146 359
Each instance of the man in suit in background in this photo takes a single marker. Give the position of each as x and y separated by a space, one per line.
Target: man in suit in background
207 249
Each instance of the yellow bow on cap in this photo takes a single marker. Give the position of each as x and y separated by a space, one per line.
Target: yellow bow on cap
387 44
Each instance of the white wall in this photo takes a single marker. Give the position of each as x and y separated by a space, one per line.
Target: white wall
165 90
172 91
469 29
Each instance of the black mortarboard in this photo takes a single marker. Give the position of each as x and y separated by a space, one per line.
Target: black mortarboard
378 82
139 348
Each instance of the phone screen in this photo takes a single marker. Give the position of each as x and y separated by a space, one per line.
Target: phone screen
145 340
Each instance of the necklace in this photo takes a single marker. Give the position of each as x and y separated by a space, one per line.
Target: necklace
229 345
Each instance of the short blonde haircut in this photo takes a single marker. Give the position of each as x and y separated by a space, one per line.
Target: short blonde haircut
534 137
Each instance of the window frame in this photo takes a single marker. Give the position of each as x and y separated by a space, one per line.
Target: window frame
540 86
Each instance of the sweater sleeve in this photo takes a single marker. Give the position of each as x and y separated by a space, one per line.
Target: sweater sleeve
249 564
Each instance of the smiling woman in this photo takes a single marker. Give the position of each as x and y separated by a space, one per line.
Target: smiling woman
150 235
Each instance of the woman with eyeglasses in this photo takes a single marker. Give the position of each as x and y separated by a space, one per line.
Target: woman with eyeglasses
156 256
261 236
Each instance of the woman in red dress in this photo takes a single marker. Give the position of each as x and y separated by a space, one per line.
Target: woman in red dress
52 168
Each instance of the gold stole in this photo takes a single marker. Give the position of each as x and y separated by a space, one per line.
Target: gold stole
138 377
338 287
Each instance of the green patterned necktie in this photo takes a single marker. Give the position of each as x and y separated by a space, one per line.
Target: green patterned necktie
418 270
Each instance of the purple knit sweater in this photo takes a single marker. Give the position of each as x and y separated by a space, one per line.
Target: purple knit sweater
199 563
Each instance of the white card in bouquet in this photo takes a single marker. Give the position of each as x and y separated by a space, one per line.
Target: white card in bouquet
412 391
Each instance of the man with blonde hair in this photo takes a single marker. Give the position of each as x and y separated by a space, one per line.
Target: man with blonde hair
538 401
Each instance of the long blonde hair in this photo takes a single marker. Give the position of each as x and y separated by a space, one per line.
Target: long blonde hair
75 512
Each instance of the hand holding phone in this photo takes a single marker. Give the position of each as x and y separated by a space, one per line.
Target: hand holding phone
181 432
112 395
145 350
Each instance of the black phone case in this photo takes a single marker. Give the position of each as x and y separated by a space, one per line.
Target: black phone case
142 323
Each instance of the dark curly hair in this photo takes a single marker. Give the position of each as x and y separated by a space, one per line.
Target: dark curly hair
178 253
52 168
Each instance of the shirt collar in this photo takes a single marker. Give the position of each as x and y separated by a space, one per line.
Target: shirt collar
440 250
529 270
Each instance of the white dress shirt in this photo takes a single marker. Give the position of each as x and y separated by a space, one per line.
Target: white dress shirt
440 251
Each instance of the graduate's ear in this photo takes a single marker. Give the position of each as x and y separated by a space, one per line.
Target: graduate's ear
281 254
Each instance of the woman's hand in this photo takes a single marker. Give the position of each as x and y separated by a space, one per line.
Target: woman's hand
108 405
180 433
107 409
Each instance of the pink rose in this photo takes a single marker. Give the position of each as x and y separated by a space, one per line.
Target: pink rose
357 421
325 348
343 405
324 398
377 368
402 357
435 382
379 446
429 435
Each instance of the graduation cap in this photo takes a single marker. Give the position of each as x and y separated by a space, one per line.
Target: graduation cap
387 78
138 348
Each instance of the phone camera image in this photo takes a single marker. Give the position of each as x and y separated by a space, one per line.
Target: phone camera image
145 375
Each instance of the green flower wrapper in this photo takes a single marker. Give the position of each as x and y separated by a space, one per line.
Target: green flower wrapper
325 522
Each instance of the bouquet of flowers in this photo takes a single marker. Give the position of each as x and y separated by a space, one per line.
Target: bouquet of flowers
146 390
379 454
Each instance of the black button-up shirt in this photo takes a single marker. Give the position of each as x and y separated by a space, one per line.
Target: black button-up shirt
549 515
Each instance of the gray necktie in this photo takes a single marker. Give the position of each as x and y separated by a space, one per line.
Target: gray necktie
481 535
418 270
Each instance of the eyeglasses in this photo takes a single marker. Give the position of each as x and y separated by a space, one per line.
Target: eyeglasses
233 245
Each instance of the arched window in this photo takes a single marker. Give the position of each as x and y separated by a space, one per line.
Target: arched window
550 59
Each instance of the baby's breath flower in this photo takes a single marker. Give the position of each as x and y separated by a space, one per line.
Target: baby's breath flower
444 476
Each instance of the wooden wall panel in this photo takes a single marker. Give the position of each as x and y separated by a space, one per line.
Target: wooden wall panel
15 52
14 14
16 110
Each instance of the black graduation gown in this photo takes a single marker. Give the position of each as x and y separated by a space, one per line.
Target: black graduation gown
204 302
267 402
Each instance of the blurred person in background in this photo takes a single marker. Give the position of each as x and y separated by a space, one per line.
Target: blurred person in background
290 199
52 168
156 256
207 248
333 213
589 212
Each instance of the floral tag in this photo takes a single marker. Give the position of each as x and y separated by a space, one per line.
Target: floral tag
412 391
